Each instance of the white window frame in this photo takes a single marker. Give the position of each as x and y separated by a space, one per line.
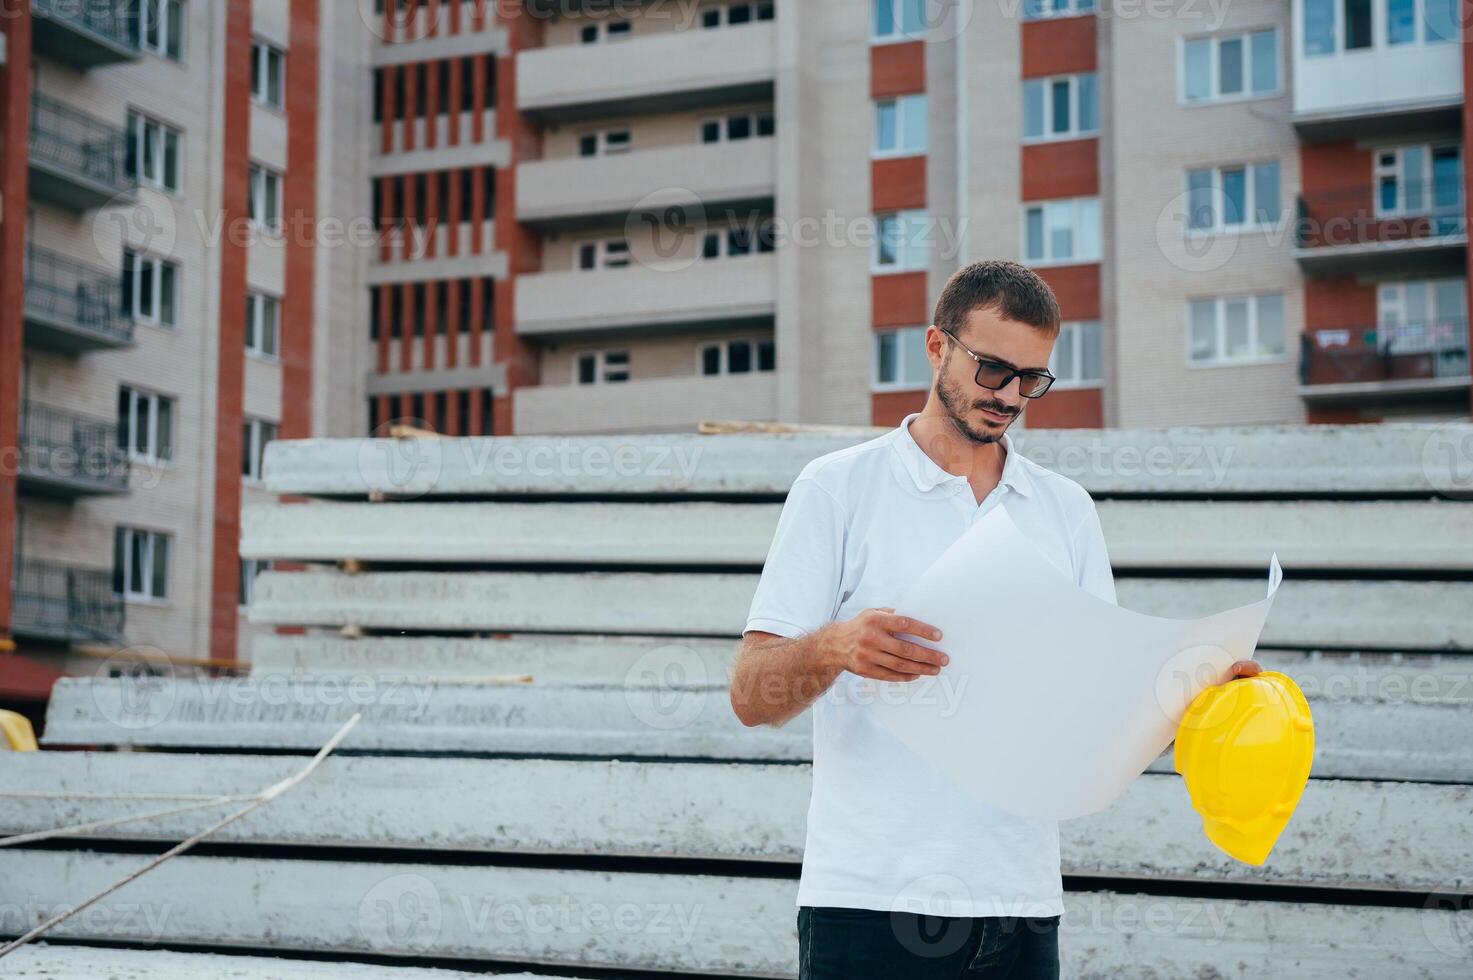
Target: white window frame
602 367
148 131
1074 132
144 264
723 127
1250 220
1079 206
896 32
902 361
261 52
722 234
900 149
154 453
149 541
1068 8
1398 171
605 34
265 195
249 569
1220 338
1072 337
257 433
146 11
260 326
606 147
609 253
1214 71
723 13
1391 299
912 256
724 346
1380 29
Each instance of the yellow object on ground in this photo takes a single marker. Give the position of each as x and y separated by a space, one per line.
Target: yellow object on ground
16 733
1244 749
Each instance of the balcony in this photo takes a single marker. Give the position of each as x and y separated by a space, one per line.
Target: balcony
67 456
646 300
85 33
77 160
1408 362
1376 91
667 72
655 405
71 307
65 604
1339 233
554 193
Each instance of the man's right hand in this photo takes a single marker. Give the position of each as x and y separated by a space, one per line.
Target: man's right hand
869 645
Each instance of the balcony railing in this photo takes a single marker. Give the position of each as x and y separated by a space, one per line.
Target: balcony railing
77 160
86 33
1348 216
1408 352
73 307
64 603
68 455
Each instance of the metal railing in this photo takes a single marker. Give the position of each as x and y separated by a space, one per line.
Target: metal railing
1426 350
65 291
78 144
61 446
1348 216
115 21
64 602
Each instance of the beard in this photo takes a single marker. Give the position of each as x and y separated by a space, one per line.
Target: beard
958 404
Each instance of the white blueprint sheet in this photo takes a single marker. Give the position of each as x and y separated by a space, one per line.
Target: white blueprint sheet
1054 700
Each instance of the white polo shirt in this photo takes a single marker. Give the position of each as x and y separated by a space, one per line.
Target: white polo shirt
886 830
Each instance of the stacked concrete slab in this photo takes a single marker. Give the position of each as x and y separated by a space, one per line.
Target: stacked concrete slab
537 633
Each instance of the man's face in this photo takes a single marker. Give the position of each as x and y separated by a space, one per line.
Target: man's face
978 413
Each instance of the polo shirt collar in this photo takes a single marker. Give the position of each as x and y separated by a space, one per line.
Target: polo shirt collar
927 475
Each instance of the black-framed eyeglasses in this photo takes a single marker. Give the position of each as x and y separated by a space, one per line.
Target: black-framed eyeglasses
995 375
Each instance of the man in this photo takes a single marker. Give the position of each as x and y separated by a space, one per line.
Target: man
905 875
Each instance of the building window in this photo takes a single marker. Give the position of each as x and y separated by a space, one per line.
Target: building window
738 126
140 564
900 126
263 323
1331 26
737 13
1222 198
900 361
1421 179
1234 66
153 153
898 20
596 367
611 253
738 240
145 425
149 289
1062 232
1038 9
1425 316
1235 329
1077 361
268 74
902 242
736 357
606 30
1061 108
158 26
265 198
255 434
249 569
602 143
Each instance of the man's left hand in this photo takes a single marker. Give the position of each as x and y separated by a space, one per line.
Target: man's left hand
1245 668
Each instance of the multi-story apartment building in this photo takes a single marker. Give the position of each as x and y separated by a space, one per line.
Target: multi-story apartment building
633 216
157 312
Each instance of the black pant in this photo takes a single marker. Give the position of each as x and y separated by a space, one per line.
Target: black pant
855 944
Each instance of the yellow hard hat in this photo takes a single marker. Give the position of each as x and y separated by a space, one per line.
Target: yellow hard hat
1244 749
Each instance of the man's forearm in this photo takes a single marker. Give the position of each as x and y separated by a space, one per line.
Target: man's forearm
775 678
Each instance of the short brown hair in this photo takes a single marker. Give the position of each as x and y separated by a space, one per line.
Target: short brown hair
1013 291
